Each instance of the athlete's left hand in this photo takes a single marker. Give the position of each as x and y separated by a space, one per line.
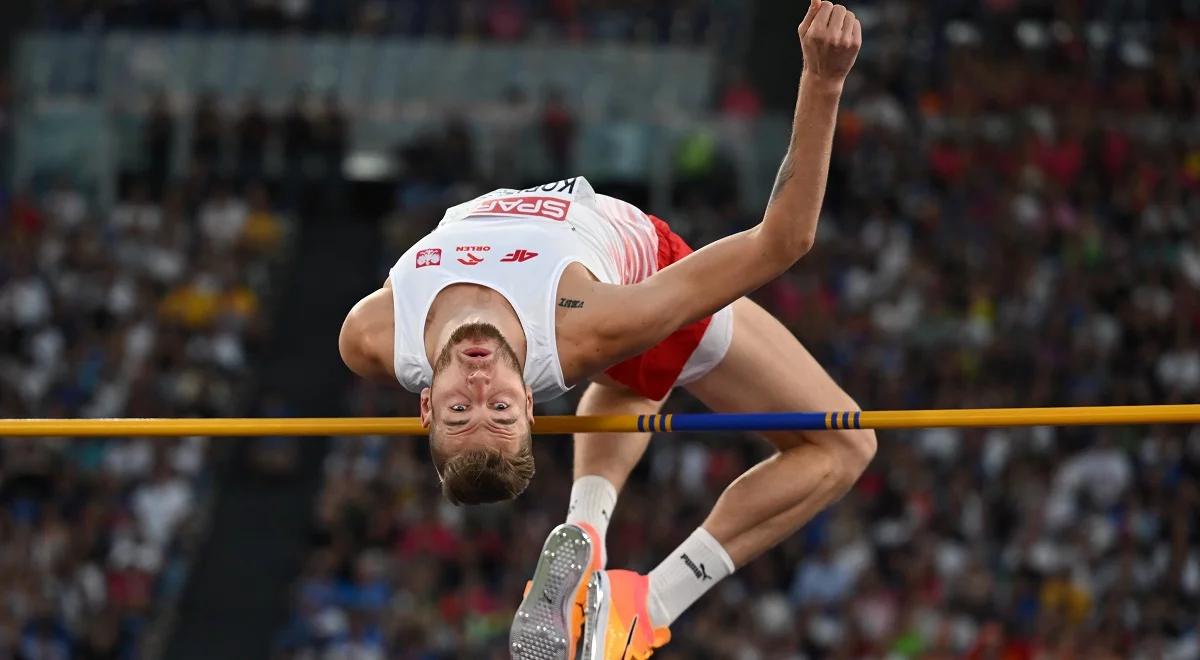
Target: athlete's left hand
830 37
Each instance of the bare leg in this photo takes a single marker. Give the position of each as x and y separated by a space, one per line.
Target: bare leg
768 370
611 455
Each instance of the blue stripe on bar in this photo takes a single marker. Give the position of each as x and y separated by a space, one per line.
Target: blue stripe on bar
846 419
857 416
800 421
641 423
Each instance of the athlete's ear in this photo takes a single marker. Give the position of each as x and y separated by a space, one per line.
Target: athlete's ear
529 405
426 407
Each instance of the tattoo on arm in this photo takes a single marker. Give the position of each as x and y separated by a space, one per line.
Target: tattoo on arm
786 170
569 303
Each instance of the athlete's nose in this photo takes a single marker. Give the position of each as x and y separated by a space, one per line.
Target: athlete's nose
478 377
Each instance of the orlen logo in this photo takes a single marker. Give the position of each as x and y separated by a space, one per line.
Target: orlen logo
550 208
473 248
429 257
470 260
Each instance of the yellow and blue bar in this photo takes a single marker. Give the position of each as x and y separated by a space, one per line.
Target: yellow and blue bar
565 424
800 421
909 419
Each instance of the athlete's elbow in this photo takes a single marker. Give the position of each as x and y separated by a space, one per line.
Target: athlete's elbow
350 343
785 253
785 248
802 244
354 346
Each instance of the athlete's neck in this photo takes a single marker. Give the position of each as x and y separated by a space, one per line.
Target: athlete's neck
459 304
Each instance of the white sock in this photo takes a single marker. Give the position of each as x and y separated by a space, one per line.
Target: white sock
592 501
685 575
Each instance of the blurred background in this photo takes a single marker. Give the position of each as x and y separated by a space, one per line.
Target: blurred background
194 192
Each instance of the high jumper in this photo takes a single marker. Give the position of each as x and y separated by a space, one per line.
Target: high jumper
519 295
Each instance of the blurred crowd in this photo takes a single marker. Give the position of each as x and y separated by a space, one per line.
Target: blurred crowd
1010 222
153 308
302 148
676 21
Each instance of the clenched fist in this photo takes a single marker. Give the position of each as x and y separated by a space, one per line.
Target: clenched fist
830 37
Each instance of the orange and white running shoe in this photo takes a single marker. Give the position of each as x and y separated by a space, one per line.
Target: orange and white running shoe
548 622
618 623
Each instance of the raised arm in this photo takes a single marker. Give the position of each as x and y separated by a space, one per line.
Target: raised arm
722 272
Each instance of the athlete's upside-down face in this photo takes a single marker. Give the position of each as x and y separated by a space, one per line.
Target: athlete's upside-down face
479 412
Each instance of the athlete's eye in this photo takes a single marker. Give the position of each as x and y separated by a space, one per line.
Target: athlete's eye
500 405
458 407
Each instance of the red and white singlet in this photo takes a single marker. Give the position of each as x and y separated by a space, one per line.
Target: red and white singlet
517 243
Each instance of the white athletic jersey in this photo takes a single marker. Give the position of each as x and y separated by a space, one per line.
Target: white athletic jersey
517 243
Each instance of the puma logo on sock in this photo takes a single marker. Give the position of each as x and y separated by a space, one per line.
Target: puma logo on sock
699 571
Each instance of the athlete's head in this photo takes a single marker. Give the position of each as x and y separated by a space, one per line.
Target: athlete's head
479 413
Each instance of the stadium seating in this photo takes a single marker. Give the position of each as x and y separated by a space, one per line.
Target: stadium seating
144 309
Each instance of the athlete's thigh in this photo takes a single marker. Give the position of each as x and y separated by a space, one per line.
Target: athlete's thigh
767 369
605 396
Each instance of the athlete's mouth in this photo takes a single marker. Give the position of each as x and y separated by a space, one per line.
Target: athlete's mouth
477 352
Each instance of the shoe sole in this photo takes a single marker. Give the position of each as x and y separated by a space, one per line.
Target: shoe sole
541 627
596 617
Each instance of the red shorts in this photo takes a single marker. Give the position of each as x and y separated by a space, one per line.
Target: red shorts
653 373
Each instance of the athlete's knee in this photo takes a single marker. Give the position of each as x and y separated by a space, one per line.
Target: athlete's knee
858 452
849 453
854 449
845 454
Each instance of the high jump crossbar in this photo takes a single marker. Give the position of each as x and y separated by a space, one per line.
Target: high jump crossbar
778 421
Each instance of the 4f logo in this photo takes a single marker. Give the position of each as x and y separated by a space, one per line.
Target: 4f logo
519 256
429 257
470 260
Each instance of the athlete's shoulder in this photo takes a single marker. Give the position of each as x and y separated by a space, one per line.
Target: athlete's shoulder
615 207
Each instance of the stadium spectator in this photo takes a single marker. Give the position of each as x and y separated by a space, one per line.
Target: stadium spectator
158 134
298 140
223 219
740 100
329 134
254 132
208 133
558 131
